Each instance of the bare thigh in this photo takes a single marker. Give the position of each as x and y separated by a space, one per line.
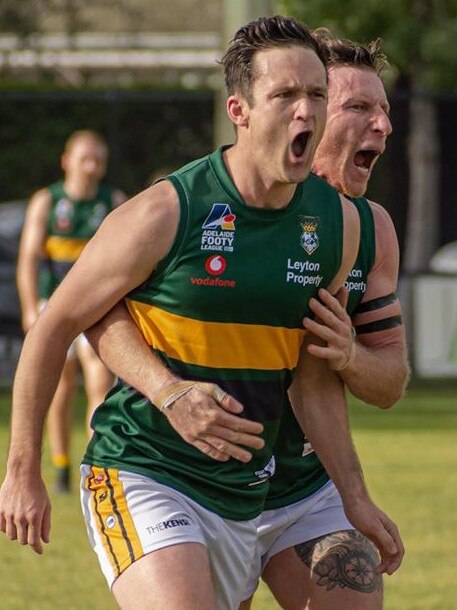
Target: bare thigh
333 572
172 578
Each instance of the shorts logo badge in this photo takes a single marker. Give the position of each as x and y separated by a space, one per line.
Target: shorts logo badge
265 473
309 240
110 522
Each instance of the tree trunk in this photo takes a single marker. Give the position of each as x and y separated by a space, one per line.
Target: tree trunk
421 238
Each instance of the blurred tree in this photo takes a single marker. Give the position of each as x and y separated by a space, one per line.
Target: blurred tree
21 18
419 40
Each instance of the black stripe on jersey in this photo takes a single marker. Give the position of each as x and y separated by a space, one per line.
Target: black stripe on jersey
102 523
377 325
119 516
262 400
377 303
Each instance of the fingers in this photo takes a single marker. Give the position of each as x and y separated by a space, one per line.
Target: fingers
214 426
392 551
46 525
223 398
342 295
34 539
225 448
224 443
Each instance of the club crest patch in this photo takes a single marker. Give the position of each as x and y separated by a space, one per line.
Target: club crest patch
309 240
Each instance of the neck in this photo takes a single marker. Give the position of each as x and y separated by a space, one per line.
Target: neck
254 185
78 188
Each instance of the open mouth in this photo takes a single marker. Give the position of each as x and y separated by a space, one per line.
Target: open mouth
299 143
365 159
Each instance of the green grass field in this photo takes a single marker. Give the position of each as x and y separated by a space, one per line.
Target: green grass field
409 456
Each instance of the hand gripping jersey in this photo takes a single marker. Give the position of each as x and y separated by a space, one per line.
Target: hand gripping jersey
71 223
225 306
299 472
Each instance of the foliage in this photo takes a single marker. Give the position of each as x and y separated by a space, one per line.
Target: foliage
418 35
146 130
21 17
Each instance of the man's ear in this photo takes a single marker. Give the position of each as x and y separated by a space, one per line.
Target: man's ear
64 161
238 111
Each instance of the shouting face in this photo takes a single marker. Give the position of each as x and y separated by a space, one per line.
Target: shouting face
284 119
357 127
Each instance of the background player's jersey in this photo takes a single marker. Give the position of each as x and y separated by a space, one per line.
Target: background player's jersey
226 305
299 472
71 223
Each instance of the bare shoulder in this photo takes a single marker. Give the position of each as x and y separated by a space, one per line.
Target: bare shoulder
382 219
40 200
147 221
158 202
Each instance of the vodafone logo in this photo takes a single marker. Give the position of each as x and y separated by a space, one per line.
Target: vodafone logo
215 265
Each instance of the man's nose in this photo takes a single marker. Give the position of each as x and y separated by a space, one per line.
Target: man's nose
382 123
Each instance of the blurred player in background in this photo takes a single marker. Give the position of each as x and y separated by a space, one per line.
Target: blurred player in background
60 220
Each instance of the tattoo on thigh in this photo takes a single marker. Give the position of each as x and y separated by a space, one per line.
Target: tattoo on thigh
343 559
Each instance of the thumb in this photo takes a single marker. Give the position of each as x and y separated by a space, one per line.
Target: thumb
224 399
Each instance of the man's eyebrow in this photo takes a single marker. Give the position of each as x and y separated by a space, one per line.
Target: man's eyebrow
365 99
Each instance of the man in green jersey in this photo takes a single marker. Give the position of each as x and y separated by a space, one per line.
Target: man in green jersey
300 542
60 220
308 555
219 262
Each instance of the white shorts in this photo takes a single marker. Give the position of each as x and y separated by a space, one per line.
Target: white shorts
282 528
129 515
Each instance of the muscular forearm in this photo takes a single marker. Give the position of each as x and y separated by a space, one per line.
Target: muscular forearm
35 383
377 376
120 345
327 428
318 400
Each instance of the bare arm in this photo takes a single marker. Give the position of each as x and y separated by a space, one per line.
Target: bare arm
213 426
377 371
31 250
152 219
323 417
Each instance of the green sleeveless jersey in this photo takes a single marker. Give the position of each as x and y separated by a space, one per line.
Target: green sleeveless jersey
299 472
71 223
226 306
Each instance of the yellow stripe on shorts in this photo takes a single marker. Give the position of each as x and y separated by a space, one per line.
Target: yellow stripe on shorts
114 521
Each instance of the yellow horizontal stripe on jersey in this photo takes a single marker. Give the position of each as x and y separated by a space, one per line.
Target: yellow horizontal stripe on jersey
64 248
218 344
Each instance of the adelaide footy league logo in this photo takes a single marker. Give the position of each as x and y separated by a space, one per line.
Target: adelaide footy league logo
220 217
218 230
309 240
